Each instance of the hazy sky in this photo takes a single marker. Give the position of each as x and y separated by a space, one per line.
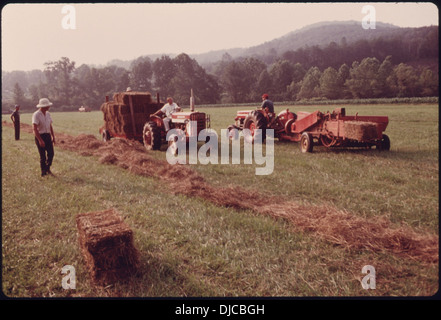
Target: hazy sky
33 33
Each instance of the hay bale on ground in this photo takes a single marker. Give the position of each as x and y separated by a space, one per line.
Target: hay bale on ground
106 243
360 130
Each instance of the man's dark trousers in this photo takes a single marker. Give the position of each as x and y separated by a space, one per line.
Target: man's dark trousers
17 130
46 153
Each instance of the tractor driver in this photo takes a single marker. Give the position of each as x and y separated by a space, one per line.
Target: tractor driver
168 109
268 107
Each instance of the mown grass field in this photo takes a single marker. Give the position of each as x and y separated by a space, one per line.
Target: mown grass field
190 247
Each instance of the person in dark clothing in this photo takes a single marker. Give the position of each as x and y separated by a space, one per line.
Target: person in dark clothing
15 117
268 107
44 135
267 103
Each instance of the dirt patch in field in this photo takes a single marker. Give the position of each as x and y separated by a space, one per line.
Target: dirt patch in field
336 226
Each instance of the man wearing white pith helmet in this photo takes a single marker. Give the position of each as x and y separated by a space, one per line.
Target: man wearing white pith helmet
44 135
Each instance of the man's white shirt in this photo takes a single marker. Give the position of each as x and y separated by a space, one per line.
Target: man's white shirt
169 109
42 121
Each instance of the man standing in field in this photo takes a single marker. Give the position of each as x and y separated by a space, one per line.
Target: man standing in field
15 117
44 135
168 109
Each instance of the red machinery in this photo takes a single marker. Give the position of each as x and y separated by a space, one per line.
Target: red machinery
331 129
191 123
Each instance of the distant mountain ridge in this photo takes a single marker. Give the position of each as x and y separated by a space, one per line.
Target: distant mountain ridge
321 34
318 34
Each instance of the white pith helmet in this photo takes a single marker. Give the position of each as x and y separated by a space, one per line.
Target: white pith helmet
44 102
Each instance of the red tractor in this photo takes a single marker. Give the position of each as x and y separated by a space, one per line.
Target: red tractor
154 131
331 129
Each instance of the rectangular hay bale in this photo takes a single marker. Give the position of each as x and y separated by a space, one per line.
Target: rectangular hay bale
360 130
137 97
117 113
106 243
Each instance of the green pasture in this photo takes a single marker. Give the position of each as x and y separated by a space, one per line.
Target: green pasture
401 184
191 248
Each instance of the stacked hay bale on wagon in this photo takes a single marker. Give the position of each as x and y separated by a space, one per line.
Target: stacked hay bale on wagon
127 113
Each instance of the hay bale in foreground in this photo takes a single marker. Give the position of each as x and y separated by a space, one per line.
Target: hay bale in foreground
360 130
106 243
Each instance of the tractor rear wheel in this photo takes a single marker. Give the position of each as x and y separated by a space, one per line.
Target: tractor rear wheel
151 136
306 142
253 122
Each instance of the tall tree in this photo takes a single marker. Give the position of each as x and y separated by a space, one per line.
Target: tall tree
331 84
384 71
310 86
164 70
264 82
428 82
190 75
252 69
404 81
233 82
282 73
363 81
141 74
123 81
59 75
344 74
19 96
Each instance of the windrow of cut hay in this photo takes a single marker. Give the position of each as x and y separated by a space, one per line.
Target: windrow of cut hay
118 117
336 226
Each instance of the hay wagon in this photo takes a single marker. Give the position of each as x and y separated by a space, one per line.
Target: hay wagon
126 115
131 115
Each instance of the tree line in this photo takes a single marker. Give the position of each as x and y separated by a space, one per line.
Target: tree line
228 80
70 87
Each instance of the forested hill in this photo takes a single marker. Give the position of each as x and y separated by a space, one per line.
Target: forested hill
321 34
345 39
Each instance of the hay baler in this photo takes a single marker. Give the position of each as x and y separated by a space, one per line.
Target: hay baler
331 129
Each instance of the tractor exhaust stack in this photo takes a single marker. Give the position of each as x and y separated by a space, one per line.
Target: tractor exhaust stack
191 102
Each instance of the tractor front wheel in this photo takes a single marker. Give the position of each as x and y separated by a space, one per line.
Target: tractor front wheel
151 136
306 142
